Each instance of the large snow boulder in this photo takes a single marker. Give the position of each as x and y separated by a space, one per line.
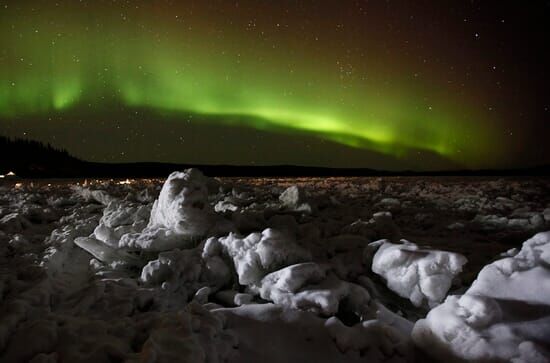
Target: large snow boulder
423 276
257 254
181 273
503 317
180 216
182 205
294 198
308 286
120 218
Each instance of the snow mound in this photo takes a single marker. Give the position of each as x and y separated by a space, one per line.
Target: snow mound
257 254
503 317
420 275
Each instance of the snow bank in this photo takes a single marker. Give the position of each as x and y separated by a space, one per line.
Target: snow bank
420 275
504 316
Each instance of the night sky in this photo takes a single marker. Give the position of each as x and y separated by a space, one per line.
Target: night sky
380 84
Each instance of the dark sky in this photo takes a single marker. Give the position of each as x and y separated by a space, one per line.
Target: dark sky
380 84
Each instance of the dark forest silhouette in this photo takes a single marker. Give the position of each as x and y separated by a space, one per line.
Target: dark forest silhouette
34 159
29 157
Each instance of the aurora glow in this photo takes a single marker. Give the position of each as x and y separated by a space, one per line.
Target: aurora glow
186 59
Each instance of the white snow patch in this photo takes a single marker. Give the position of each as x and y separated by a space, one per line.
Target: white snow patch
420 275
257 254
503 316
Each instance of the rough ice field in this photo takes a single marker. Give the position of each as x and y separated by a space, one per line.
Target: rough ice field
196 269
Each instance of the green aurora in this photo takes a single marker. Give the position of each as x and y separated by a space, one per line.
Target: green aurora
89 60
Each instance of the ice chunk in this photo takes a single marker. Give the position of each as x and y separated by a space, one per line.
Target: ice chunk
258 254
179 217
390 203
120 218
106 254
381 225
420 275
504 316
307 286
294 198
90 195
184 272
182 205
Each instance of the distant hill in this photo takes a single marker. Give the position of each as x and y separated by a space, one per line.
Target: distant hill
33 159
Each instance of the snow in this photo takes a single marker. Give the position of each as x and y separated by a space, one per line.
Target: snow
193 268
503 316
423 276
307 286
272 333
257 254
119 219
294 198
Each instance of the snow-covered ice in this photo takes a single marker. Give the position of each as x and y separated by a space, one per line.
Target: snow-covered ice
198 269
420 275
504 316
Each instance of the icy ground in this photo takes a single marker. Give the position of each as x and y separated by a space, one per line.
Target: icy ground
196 269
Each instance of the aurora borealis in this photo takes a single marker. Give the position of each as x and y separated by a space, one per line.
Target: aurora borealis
383 77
